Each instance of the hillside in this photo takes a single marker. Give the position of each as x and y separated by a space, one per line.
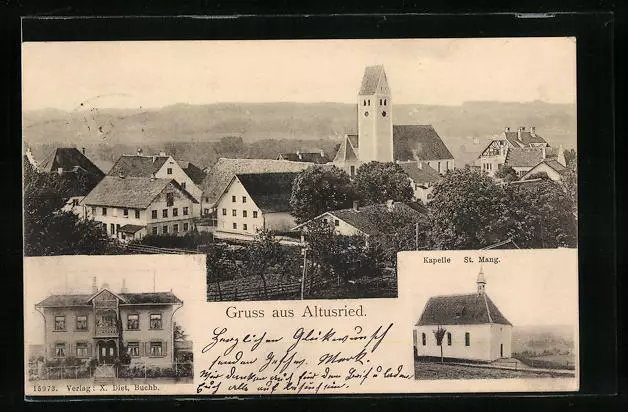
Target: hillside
465 128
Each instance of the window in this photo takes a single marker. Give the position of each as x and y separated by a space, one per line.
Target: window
381 102
336 222
244 213
117 228
81 350
104 211
93 211
366 114
235 225
185 211
125 212
175 228
81 322
233 199
369 102
423 339
448 338
164 229
59 322
384 102
255 214
244 226
206 211
113 228
154 214
155 320
155 349
234 212
75 202
114 211
133 349
164 213
60 350
186 226
154 230
224 212
175 211
325 221
183 185
352 170
169 199
169 170
137 213
364 104
133 321
384 113
243 199
467 339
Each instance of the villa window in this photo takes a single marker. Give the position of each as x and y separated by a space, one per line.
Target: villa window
164 213
81 322
423 339
175 211
186 227
113 228
156 349
81 350
169 199
448 339
133 349
175 228
104 211
59 322
154 214
133 322
244 213
235 226
255 214
467 339
137 214
155 321
164 229
125 212
185 211
60 350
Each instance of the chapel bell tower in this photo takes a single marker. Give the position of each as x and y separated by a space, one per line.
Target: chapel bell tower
481 282
375 131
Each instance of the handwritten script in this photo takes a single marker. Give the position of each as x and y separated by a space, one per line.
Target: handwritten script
306 361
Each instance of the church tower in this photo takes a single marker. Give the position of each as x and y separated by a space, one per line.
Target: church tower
481 282
375 131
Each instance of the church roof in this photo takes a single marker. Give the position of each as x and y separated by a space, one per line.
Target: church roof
418 142
370 80
59 301
346 152
423 174
270 191
469 309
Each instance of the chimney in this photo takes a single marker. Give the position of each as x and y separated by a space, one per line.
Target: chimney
533 131
560 158
123 289
162 153
356 206
83 150
60 170
152 177
481 282
322 153
139 151
506 129
154 157
94 286
521 129
544 153
390 205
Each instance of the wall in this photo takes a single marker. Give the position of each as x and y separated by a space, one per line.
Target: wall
145 334
501 334
225 222
542 167
116 216
445 165
480 348
181 177
375 130
71 335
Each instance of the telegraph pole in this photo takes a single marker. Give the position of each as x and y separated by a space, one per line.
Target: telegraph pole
304 268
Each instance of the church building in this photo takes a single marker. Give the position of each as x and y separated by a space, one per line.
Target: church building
475 329
379 140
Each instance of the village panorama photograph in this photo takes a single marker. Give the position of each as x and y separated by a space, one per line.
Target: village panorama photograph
299 168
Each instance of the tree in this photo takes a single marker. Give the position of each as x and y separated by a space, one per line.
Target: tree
539 175
264 253
318 190
570 182
571 159
465 211
439 334
507 173
378 182
178 333
230 146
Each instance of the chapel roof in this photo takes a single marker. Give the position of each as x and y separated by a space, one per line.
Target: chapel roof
468 309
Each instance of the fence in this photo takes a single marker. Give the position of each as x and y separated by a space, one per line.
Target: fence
232 292
134 371
159 250
41 372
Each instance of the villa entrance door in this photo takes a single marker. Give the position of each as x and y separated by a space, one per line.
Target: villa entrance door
107 351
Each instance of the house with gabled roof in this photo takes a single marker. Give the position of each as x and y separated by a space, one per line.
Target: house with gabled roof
379 140
255 201
318 157
104 323
552 167
131 207
162 166
475 329
422 178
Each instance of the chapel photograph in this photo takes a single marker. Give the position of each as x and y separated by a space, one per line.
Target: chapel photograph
299 168
517 319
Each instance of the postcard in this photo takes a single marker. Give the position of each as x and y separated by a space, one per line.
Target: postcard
300 216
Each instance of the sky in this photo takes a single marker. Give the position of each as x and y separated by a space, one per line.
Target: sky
63 75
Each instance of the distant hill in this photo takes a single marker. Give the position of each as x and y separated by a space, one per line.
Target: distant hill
539 339
465 128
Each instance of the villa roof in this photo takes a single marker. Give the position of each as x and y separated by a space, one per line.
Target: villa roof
57 301
423 174
130 192
418 142
524 156
224 170
527 138
270 191
469 309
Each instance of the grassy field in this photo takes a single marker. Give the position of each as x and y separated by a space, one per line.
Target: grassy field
436 370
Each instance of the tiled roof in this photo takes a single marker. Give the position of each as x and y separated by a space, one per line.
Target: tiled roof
524 157
129 192
130 298
194 172
310 157
224 170
424 174
353 138
418 142
554 164
270 191
367 218
68 158
137 165
526 138
346 153
470 309
130 228
370 80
